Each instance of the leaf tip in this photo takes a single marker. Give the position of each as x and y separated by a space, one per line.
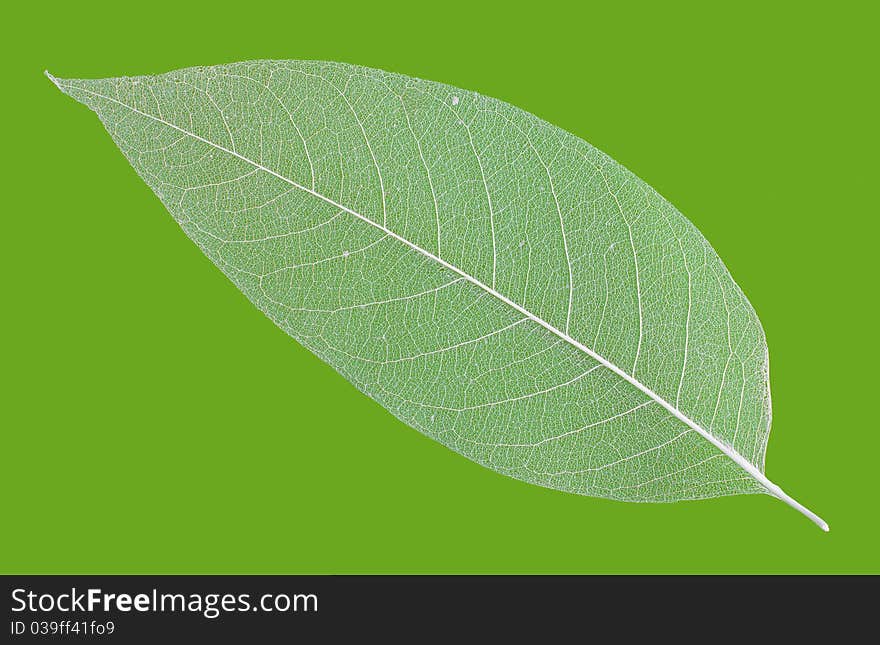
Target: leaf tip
53 79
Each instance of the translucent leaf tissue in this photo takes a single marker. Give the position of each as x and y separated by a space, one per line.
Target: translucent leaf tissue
490 279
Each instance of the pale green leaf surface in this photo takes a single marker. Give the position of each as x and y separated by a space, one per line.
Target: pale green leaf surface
492 280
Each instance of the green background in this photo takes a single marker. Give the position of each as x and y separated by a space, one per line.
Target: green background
154 421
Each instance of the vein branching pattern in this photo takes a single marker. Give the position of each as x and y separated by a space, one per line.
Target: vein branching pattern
492 280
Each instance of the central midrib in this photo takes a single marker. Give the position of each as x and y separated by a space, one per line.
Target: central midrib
741 461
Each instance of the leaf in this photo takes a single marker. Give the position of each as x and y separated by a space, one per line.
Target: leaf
493 281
